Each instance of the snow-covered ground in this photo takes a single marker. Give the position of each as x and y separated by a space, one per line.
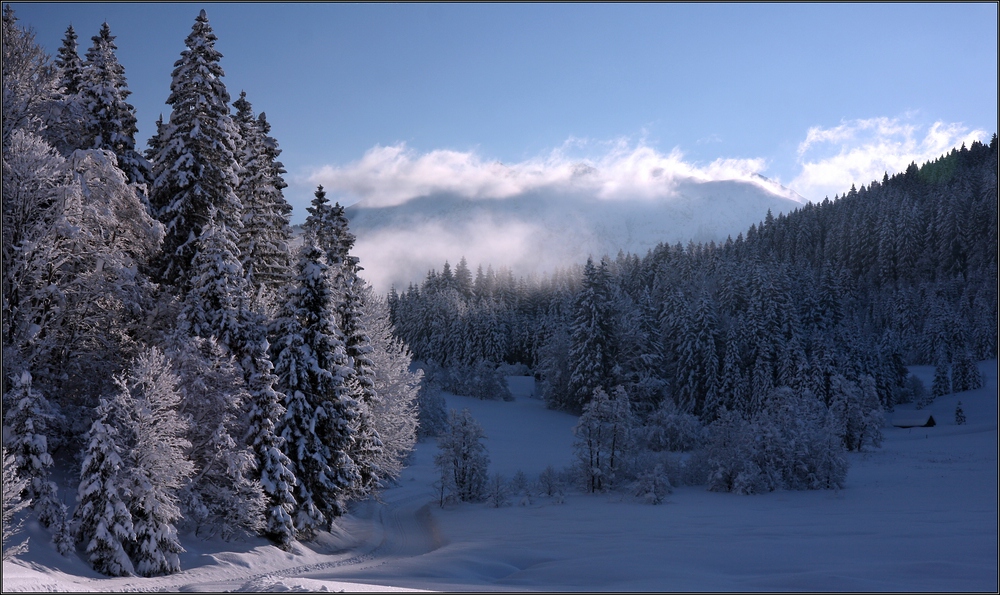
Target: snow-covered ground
919 514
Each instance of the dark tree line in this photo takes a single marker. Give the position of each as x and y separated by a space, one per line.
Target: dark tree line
834 298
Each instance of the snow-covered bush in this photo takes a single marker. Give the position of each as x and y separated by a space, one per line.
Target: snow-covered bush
498 491
463 460
549 481
792 443
521 488
959 415
667 428
653 485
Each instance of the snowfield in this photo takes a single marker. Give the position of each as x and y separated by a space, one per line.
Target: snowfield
919 514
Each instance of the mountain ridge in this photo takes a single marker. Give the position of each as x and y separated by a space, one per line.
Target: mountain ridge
537 231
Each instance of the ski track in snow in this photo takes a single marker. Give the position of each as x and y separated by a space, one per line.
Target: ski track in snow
918 514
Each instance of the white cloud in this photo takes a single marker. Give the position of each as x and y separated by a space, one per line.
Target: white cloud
392 175
859 151
397 256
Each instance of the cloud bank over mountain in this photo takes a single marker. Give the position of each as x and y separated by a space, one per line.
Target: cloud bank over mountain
414 210
392 175
538 231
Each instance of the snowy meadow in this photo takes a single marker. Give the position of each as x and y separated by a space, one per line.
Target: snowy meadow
918 514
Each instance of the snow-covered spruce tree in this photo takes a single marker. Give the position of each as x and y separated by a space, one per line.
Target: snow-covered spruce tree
965 374
69 63
104 523
28 420
156 463
959 415
217 289
217 303
603 439
266 232
62 532
698 360
13 504
462 458
942 380
224 497
111 121
319 222
313 369
195 169
396 413
250 347
329 226
589 357
67 111
274 469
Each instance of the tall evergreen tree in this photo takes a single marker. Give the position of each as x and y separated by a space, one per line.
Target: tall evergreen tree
367 449
104 523
111 122
70 64
698 361
195 169
942 380
313 369
590 340
263 242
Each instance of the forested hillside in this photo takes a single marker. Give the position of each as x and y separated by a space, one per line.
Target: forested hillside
164 348
825 305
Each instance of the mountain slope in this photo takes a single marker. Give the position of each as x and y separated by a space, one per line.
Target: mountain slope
538 231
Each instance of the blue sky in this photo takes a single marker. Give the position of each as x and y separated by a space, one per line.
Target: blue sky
815 96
